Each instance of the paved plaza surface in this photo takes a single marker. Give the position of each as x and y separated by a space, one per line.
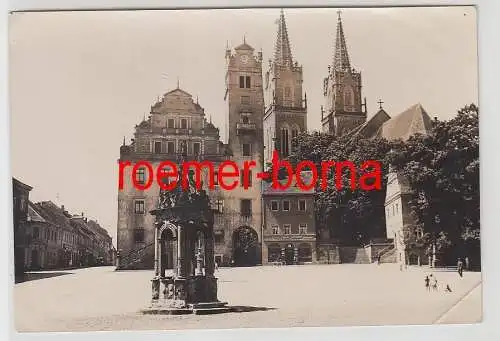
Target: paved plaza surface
96 299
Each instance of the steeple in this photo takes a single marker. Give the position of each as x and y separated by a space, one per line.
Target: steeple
341 57
282 51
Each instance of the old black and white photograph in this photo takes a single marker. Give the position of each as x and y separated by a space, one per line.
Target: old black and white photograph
244 168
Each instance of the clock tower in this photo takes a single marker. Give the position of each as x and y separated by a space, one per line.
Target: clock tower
245 100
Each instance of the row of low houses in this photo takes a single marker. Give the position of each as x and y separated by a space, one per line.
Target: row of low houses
47 236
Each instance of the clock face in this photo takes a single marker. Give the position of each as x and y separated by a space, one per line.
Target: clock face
244 59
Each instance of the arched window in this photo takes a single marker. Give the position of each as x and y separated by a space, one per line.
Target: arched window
284 142
348 97
295 133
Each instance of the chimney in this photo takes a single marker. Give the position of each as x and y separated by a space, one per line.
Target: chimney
62 207
82 214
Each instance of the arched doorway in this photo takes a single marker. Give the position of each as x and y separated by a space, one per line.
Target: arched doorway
273 253
167 250
289 254
305 253
245 241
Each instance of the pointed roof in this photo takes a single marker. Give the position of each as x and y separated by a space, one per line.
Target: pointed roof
282 50
370 128
413 120
341 56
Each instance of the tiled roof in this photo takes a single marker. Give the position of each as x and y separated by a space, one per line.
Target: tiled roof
413 120
51 213
267 187
372 126
33 215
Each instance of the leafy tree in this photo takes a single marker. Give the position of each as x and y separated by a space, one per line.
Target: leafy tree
352 215
443 170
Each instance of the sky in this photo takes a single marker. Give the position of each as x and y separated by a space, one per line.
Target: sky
81 81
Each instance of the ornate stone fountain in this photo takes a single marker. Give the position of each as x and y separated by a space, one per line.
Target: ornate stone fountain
184 221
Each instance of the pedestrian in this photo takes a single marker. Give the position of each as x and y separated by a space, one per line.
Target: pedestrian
378 259
460 267
448 289
216 266
434 283
427 283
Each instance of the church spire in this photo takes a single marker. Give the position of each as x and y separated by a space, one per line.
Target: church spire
282 51
341 57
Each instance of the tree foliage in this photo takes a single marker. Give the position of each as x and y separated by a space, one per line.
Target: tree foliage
442 168
350 215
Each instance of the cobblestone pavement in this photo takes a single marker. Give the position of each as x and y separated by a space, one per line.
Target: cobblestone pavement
97 299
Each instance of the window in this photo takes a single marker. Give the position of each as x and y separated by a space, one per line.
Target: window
184 123
274 205
245 99
288 92
242 182
139 207
140 176
139 235
295 133
245 82
348 97
302 228
246 207
287 228
244 119
196 148
286 205
216 178
397 208
170 123
275 229
284 142
302 205
157 147
220 205
171 147
247 149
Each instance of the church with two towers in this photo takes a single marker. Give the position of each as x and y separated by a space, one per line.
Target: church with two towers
267 108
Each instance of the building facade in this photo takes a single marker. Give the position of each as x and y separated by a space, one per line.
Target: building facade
286 104
57 239
343 109
177 125
289 223
20 192
244 96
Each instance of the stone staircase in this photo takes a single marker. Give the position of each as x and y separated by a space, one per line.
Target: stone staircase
388 255
328 254
353 255
140 258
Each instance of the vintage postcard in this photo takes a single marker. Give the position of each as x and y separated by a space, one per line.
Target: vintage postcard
245 168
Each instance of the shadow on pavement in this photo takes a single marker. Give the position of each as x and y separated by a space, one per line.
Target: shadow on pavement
246 309
33 276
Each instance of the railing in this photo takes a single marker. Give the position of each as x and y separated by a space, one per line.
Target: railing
240 126
135 255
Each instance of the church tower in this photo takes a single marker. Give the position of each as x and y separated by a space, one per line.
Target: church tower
286 105
245 99
343 110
